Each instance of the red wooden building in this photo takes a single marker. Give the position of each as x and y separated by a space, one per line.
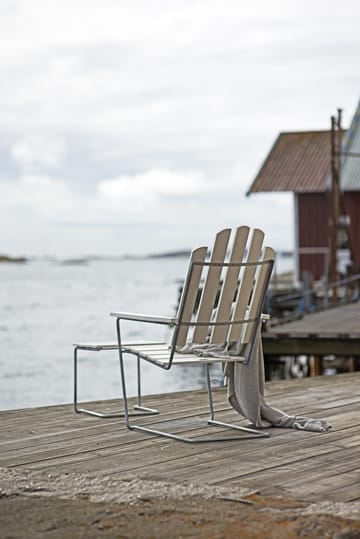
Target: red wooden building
300 162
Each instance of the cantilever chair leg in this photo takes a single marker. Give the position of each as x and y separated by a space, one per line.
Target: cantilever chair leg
249 432
211 421
142 410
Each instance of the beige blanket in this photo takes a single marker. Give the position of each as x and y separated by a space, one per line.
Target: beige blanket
246 385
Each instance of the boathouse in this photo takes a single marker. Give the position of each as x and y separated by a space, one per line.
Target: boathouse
301 163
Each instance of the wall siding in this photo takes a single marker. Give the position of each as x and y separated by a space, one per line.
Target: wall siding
352 208
313 229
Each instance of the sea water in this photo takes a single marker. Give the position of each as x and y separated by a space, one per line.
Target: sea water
46 305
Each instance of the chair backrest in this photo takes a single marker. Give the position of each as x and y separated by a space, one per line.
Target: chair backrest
232 285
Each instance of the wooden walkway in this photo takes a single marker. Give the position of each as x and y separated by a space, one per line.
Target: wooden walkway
292 464
334 331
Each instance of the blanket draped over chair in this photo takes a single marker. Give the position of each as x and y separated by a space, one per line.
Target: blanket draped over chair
246 386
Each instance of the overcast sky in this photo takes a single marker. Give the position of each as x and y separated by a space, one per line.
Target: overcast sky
137 125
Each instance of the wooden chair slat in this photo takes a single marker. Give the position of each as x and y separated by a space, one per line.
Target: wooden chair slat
237 333
228 289
258 292
187 302
211 286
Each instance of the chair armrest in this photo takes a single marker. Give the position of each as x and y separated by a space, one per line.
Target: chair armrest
158 319
145 318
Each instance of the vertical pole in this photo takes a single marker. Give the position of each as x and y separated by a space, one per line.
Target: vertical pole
339 148
334 207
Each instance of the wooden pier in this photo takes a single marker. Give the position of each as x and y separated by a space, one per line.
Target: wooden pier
291 463
331 332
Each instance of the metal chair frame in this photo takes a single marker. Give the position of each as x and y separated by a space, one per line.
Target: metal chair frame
211 420
143 410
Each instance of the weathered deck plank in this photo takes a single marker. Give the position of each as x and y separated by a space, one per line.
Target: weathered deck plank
298 464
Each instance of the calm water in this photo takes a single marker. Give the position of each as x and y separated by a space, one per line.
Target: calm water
46 306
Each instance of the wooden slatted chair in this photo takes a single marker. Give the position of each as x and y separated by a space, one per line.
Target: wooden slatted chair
233 290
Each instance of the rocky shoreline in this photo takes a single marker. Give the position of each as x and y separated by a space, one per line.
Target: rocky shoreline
72 506
13 259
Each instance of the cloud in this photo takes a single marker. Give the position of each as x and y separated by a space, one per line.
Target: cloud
115 200
144 192
38 195
148 112
38 152
184 205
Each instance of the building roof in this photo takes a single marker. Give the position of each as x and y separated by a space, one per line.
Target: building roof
350 170
300 162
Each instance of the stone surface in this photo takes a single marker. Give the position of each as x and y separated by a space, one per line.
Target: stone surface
73 506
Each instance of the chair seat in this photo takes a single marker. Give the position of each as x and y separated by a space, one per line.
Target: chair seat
159 353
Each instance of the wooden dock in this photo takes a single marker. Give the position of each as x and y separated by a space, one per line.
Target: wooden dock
293 464
331 332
